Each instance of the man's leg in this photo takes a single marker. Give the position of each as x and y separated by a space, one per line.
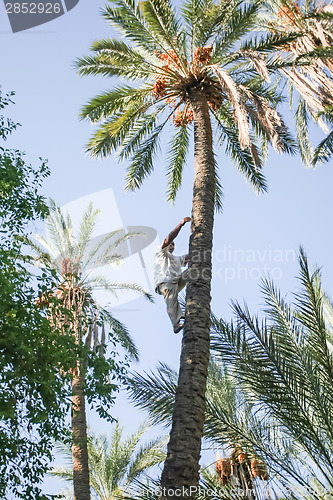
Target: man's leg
170 294
184 278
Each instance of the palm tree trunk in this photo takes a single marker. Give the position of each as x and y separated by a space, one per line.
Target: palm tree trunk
181 468
79 433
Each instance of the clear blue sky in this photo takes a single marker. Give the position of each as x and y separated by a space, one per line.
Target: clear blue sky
253 234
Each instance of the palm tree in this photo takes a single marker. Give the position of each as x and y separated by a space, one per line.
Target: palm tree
310 68
285 360
246 440
241 420
187 67
116 463
72 308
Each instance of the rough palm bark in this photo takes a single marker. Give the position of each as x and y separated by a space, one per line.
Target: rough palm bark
81 480
181 469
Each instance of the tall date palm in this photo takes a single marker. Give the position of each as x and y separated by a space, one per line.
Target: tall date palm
74 260
187 67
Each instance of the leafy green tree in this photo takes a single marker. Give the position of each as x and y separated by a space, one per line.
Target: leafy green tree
34 358
115 463
191 67
74 260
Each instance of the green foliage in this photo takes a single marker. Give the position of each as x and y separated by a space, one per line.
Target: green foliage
74 259
269 388
115 462
33 387
285 362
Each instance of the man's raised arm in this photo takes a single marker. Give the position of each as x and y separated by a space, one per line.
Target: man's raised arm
174 233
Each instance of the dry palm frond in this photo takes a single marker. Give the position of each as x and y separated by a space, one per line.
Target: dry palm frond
269 118
258 61
241 117
314 81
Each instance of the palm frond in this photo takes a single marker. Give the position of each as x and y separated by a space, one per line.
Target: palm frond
177 154
246 160
59 230
139 131
148 455
302 133
42 258
86 228
269 122
240 22
324 150
107 240
218 190
142 161
114 58
206 20
114 131
310 314
102 283
115 101
121 333
162 20
155 393
128 17
103 252
229 86
193 13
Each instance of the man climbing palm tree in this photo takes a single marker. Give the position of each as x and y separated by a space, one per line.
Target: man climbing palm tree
169 279
197 72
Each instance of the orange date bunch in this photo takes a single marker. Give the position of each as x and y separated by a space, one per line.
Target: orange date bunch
228 467
287 17
171 60
201 57
167 81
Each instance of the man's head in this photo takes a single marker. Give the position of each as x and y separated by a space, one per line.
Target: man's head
171 247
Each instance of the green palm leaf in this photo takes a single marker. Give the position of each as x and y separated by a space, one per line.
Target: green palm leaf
128 17
142 162
115 101
177 154
115 462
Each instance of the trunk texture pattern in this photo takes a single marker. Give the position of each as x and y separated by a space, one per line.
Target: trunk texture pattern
79 446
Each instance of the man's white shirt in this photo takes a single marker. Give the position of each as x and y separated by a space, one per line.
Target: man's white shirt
167 267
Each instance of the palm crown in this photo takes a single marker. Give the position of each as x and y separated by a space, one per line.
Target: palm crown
170 56
116 462
75 259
